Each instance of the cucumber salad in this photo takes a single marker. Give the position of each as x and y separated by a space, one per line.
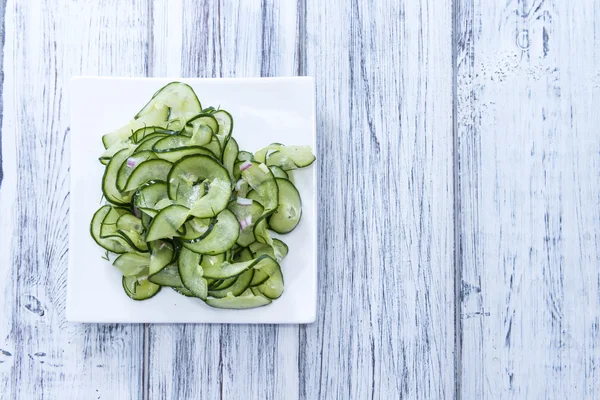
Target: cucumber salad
187 209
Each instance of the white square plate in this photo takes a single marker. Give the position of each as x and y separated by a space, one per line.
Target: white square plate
264 110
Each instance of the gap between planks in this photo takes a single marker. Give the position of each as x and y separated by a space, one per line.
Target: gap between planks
456 206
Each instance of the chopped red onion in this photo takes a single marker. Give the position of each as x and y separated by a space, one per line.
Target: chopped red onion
238 184
131 163
244 202
245 165
265 169
246 222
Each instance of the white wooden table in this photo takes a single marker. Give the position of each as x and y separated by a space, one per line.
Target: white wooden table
459 199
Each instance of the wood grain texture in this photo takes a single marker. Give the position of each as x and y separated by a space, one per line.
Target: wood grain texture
228 39
385 325
527 154
529 187
41 355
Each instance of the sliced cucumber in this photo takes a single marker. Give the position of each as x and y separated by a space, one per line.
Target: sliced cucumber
109 240
109 180
176 154
278 250
272 287
213 261
139 290
291 157
131 264
245 301
289 210
109 244
134 239
197 123
259 278
214 146
149 195
220 284
219 192
243 254
278 172
178 97
222 237
151 170
198 228
161 255
241 283
226 270
143 134
146 221
261 179
261 232
262 154
230 155
245 156
158 116
114 149
129 222
110 228
246 215
225 122
191 273
148 143
190 171
168 276
167 222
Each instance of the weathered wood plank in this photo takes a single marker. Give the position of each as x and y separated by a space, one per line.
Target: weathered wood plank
529 173
385 324
228 39
43 356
